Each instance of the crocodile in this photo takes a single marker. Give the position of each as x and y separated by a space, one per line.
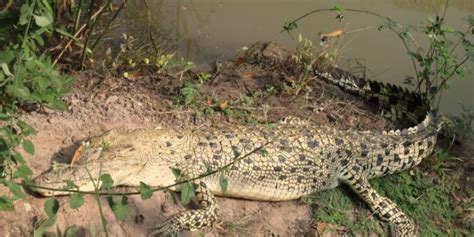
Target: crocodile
271 162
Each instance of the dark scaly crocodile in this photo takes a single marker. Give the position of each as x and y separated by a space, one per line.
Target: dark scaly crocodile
280 162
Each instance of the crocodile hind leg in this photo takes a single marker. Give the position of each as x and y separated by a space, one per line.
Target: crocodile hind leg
194 219
386 209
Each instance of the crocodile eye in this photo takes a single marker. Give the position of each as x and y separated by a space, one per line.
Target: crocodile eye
45 179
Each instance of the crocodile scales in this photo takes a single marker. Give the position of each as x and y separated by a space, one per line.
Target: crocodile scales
281 162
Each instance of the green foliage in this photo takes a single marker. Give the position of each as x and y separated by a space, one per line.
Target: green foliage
204 77
76 201
461 126
120 208
177 173
28 147
145 191
51 207
15 189
187 193
42 225
289 25
223 182
434 65
106 181
417 195
71 231
6 203
304 59
27 76
189 93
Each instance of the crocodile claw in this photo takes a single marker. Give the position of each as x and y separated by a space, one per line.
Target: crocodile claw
170 227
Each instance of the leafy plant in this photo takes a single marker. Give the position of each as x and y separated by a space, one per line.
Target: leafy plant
435 65
189 93
204 77
461 126
27 76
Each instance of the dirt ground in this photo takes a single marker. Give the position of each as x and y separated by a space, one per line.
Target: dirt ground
240 92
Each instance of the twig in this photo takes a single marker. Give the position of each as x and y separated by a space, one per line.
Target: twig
78 16
97 196
108 24
72 40
258 149
150 33
417 47
91 29
175 112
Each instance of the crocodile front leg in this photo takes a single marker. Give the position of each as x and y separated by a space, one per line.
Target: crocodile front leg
401 225
194 219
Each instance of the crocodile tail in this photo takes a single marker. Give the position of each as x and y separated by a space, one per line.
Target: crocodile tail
430 126
407 106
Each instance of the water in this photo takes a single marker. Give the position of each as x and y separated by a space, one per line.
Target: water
208 30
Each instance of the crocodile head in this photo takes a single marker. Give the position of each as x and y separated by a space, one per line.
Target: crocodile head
108 154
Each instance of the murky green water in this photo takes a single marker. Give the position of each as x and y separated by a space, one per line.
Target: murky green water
207 30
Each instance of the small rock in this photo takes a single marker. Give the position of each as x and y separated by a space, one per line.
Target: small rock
111 99
27 207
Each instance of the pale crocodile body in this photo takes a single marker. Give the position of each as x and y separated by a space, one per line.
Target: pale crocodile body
282 161
295 159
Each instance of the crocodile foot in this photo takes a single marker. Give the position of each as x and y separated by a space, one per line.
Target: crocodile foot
191 220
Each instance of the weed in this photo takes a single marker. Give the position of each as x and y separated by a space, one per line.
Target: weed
416 193
435 65
189 93
239 226
461 126
27 76
204 77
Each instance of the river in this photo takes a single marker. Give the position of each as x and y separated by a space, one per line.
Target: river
208 30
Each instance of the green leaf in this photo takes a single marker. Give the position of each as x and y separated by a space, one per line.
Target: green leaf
106 181
207 166
4 117
6 204
43 225
77 200
15 189
416 55
71 231
51 207
121 208
17 158
236 154
338 9
390 24
5 69
24 14
28 147
18 91
6 56
188 98
470 52
176 172
289 25
26 129
223 182
23 171
187 193
71 185
470 20
145 191
43 20
65 33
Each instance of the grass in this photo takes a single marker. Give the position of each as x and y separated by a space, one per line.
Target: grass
426 196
